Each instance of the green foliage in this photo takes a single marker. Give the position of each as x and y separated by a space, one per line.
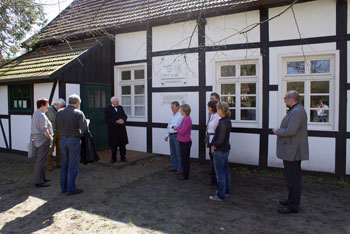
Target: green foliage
17 19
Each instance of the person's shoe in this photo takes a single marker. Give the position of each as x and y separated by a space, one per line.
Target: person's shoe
178 173
75 192
283 202
49 167
226 194
113 161
42 185
171 170
45 180
182 178
124 160
215 198
287 210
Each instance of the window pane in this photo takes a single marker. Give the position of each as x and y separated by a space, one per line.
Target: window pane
233 114
248 101
139 100
296 67
91 99
320 101
97 99
139 74
320 66
140 111
126 90
319 116
139 89
228 71
127 110
103 98
230 100
248 88
248 70
297 86
228 89
126 100
15 104
248 114
126 75
319 86
24 104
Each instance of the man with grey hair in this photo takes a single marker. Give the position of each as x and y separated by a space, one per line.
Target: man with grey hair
292 148
71 124
51 115
115 118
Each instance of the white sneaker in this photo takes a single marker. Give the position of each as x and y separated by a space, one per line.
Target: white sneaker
215 198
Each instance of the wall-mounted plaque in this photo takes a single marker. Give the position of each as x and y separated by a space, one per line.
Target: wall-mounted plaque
169 98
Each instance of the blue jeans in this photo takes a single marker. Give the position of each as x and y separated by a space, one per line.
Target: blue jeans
222 173
175 154
70 158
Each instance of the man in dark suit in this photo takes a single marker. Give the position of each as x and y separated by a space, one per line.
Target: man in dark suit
117 135
292 147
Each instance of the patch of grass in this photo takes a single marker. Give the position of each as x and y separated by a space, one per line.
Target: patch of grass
130 223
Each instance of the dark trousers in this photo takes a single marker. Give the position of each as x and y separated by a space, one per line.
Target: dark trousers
40 162
292 170
212 167
185 149
122 151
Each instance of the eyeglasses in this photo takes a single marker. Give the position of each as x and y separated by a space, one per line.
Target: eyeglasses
285 98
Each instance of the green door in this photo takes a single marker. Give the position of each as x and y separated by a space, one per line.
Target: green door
94 100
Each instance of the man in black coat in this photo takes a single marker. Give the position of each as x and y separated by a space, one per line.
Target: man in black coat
117 136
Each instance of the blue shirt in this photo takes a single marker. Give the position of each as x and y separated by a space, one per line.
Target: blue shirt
175 120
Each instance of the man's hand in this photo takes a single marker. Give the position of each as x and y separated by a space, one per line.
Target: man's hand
166 139
212 149
274 131
120 121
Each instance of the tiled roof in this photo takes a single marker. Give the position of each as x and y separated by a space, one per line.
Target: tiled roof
91 16
44 61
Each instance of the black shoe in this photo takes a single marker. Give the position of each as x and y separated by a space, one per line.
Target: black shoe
113 161
42 185
45 180
287 210
124 160
283 203
171 170
182 178
75 192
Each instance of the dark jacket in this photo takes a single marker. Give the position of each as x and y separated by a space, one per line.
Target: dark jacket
117 135
71 122
221 138
88 152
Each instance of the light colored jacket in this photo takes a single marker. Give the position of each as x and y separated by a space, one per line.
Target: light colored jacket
292 140
40 123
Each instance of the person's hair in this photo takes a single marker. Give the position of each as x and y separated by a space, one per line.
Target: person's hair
225 108
41 102
114 98
176 103
74 99
216 95
293 94
186 109
212 105
61 101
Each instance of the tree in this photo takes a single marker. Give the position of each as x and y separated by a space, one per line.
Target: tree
17 19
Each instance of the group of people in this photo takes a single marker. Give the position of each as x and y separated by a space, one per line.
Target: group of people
292 146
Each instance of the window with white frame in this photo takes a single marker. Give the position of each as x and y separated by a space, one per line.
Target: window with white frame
132 90
238 84
313 77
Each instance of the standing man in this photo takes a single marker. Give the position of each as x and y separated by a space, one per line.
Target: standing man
117 135
51 114
292 147
171 134
71 124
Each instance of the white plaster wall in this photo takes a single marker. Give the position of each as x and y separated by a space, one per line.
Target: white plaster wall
130 46
277 52
5 124
348 156
3 100
159 145
244 148
184 65
194 147
221 56
137 138
43 90
272 160
322 155
348 16
72 89
348 73
348 112
20 131
175 36
223 30
321 23
161 110
273 109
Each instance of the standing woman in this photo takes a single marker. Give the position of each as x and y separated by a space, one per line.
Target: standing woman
184 139
221 149
211 127
42 135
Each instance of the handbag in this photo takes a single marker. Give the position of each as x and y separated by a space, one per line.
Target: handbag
30 147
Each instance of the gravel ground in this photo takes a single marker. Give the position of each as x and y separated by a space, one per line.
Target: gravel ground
146 198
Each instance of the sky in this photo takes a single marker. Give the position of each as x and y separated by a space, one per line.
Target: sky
53 7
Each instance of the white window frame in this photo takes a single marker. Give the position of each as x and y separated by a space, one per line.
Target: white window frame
308 77
238 80
118 83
